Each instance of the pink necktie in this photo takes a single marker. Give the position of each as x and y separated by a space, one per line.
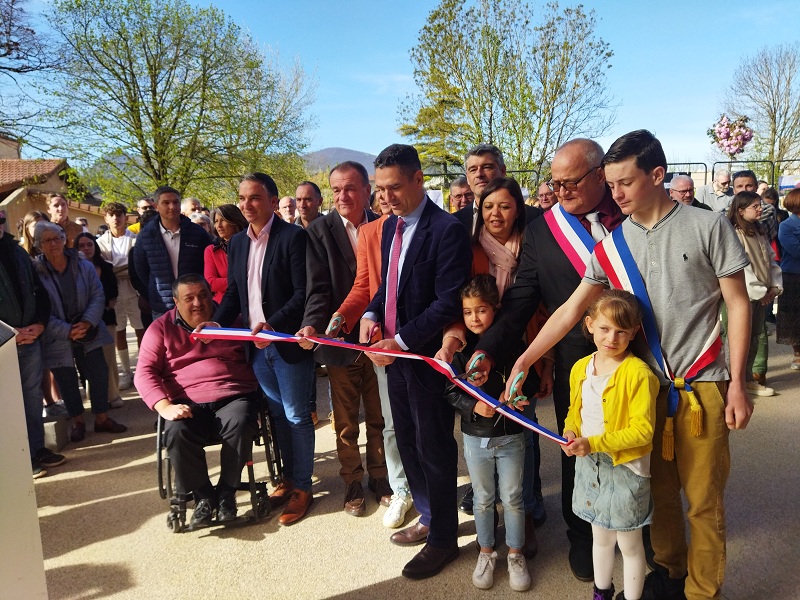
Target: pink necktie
390 322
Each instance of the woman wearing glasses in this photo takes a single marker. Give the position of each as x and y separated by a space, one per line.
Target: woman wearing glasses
74 333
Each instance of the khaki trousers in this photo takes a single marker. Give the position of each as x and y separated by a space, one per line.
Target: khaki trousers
700 468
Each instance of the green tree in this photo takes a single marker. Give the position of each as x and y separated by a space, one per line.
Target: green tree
24 52
766 88
487 72
154 92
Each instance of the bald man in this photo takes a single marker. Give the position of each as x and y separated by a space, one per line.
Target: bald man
681 189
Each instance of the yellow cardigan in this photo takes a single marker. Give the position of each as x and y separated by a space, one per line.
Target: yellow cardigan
629 409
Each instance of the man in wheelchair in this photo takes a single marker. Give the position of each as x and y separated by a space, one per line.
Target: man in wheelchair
206 392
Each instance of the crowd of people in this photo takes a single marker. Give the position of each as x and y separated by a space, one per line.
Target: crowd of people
500 289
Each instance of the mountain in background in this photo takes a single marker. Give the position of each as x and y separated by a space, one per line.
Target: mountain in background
327 158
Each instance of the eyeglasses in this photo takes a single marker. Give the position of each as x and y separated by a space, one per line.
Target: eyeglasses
569 186
51 240
683 192
545 196
466 196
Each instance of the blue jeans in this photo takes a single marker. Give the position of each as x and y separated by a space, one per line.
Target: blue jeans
288 388
94 368
30 373
507 460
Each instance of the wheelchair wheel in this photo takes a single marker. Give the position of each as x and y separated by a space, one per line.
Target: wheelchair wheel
174 523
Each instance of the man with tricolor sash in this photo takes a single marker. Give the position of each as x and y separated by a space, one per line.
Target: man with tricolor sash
681 263
556 250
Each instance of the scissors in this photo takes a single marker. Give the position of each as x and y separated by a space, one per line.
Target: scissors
515 396
469 374
372 331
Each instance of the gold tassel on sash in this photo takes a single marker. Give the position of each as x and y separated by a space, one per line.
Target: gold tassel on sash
696 428
668 441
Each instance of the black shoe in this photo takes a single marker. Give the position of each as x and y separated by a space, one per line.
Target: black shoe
203 513
580 557
605 594
382 490
227 506
466 501
658 585
48 458
429 561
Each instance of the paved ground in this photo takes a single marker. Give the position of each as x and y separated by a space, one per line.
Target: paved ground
104 531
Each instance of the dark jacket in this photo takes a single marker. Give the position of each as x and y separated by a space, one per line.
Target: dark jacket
436 267
152 265
474 424
283 285
331 272
33 299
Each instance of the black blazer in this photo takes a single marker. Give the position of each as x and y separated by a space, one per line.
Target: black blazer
330 273
283 285
545 275
466 217
436 266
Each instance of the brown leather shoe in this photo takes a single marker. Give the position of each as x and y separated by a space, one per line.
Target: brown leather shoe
354 502
383 491
429 561
410 536
109 425
282 494
297 507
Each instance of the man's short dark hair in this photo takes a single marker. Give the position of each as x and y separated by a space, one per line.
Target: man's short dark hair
164 189
189 279
747 173
641 145
399 155
355 166
115 208
264 179
313 185
482 149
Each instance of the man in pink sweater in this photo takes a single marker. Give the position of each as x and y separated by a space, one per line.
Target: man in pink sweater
203 390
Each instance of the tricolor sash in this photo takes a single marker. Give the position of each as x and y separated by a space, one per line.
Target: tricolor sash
571 236
616 259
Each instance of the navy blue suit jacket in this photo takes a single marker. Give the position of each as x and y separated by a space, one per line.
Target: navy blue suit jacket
283 285
436 266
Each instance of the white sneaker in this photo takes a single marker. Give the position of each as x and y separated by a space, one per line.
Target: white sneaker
518 577
395 514
483 575
125 381
116 403
759 390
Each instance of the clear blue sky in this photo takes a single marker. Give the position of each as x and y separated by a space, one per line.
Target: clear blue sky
670 65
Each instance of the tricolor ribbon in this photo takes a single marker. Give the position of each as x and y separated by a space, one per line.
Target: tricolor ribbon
571 236
446 369
616 259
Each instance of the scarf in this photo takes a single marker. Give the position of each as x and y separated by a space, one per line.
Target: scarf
755 246
503 258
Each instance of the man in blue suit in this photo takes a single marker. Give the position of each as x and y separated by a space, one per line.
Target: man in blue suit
267 286
426 259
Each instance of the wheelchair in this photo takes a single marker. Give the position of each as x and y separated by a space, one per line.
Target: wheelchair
259 498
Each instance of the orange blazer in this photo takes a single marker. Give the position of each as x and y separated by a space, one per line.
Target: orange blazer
368 273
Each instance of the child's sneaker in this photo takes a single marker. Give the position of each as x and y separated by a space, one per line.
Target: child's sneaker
604 594
483 575
518 577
